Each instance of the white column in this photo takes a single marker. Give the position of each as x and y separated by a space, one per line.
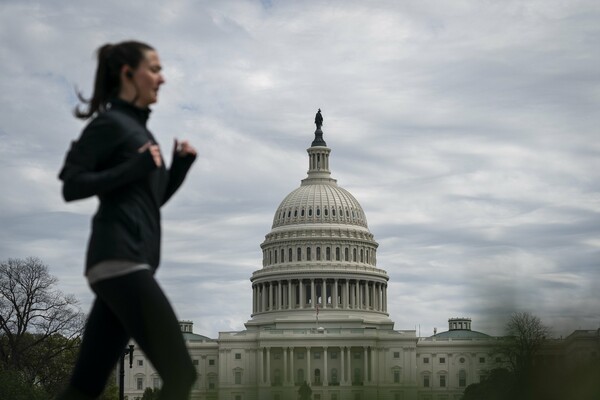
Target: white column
268 366
335 293
285 366
373 372
360 296
263 297
312 293
289 294
342 366
308 372
349 365
302 292
292 370
366 365
346 299
279 298
270 296
261 368
326 371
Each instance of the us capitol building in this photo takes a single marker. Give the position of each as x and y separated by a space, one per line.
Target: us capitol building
320 315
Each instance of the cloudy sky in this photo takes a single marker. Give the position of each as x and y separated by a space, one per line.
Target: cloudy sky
467 130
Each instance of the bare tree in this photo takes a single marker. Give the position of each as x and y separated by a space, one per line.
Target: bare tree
38 323
525 335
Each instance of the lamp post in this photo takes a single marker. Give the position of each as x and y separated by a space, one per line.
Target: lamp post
122 370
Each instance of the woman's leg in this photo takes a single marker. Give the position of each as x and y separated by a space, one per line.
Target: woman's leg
147 316
103 343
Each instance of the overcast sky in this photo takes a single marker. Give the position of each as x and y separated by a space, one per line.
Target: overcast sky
467 130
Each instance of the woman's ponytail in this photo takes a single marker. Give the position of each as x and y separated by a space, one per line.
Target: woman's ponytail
107 83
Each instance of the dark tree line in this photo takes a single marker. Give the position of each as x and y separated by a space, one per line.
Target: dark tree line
525 377
40 331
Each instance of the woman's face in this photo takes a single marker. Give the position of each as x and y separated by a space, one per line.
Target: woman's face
147 78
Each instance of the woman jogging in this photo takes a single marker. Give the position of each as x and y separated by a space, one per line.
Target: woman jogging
117 159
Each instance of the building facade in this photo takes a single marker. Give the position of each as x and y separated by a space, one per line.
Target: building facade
320 316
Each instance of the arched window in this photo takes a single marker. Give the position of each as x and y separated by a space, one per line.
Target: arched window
317 376
290 254
318 254
275 256
326 212
310 212
333 212
308 255
337 254
302 212
296 212
289 213
346 256
328 253
318 212
277 377
299 254
362 256
334 376
353 255
282 256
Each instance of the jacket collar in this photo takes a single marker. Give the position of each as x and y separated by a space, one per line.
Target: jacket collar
141 114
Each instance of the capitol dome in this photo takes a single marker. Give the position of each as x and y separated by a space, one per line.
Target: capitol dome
319 258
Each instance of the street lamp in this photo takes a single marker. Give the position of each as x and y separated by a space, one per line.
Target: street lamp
122 370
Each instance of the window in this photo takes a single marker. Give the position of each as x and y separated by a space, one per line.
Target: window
318 254
325 211
442 360
462 378
354 255
425 360
334 355
300 376
140 363
442 380
211 361
156 383
298 254
334 376
140 383
356 356
318 212
346 257
317 376
195 361
238 377
337 254
462 360
328 254
282 256
425 380
317 355
308 255
481 360
290 254
277 356
212 382
300 356
396 354
238 356
396 376
310 212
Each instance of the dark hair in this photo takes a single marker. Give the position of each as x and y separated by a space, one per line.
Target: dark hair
111 58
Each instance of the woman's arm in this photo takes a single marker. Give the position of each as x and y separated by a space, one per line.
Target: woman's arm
80 175
184 156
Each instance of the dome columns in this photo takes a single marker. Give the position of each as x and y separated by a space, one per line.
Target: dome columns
322 293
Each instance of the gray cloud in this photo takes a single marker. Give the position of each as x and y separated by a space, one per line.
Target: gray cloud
467 131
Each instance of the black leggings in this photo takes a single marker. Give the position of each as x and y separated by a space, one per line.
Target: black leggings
131 306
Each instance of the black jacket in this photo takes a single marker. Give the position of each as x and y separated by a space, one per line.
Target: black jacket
105 162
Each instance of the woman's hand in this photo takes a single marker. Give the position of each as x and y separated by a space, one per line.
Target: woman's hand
183 148
154 150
